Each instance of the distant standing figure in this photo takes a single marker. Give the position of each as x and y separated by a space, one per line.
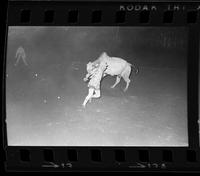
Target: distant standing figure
20 54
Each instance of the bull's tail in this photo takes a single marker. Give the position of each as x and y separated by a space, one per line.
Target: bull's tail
135 68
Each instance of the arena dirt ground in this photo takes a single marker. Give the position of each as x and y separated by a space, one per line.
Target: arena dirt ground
148 114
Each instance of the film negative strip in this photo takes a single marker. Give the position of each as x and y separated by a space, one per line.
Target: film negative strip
101 86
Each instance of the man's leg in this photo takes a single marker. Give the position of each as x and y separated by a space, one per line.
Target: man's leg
97 94
24 59
18 58
89 96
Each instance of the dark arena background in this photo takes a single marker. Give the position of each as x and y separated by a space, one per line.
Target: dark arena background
44 97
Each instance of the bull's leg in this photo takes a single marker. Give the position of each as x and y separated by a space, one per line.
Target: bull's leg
89 96
125 76
127 84
118 78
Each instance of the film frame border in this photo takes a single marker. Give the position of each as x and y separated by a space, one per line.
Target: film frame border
111 158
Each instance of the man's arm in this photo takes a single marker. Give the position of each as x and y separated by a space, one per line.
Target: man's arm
87 76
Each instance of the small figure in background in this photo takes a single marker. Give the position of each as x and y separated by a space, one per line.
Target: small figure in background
20 54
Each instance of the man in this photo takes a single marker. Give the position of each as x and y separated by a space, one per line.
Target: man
20 55
94 82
